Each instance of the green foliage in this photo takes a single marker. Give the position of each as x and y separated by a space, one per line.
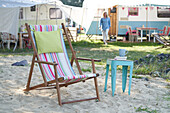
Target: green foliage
86 70
148 110
153 67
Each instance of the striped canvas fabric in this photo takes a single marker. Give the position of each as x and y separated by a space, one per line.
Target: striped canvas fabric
64 68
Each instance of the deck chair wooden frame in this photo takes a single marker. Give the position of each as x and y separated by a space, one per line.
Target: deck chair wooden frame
55 83
162 40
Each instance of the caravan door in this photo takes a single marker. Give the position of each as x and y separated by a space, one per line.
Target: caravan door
43 14
113 20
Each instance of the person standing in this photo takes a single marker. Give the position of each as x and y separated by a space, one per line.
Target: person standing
105 23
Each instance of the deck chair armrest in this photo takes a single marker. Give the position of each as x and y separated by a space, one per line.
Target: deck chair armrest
88 59
43 62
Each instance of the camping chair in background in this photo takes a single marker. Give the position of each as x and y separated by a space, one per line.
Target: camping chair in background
162 38
133 36
162 32
165 33
8 38
163 41
27 42
56 69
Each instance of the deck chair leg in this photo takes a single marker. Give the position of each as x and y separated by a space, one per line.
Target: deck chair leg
58 93
95 80
96 86
30 73
57 85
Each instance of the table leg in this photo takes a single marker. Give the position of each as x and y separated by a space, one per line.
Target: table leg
141 35
124 77
20 40
113 78
149 36
107 72
154 37
130 78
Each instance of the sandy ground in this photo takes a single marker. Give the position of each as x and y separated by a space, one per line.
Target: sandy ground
150 94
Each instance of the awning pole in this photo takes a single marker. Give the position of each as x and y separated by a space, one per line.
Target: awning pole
56 12
37 15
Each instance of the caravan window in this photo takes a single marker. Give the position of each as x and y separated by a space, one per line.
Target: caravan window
99 13
163 12
33 8
55 13
133 11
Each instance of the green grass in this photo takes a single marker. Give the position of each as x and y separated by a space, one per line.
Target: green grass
89 48
166 98
167 86
86 70
136 76
22 52
148 110
97 50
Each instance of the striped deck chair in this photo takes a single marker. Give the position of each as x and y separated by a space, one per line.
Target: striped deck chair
56 69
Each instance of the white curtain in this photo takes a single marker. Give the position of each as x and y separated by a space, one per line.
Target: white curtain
9 18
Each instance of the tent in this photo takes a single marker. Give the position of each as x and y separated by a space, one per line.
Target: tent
9 10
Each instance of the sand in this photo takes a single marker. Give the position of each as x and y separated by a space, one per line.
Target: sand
152 94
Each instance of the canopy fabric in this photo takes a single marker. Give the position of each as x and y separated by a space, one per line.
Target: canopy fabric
22 3
9 11
81 15
9 20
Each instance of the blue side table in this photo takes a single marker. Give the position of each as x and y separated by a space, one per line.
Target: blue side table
114 63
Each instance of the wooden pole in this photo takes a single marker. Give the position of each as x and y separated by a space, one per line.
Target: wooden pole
30 73
35 52
72 50
95 80
57 85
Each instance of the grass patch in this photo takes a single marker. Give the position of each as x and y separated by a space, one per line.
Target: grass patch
86 70
96 49
136 76
22 52
167 86
153 67
148 110
167 80
166 98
